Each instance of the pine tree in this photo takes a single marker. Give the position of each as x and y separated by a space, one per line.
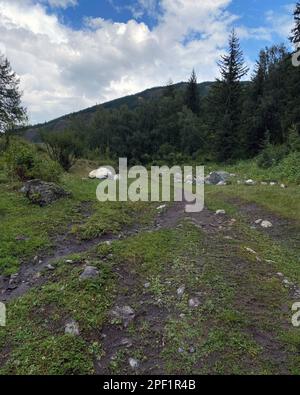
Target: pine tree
227 98
11 111
169 89
192 99
295 38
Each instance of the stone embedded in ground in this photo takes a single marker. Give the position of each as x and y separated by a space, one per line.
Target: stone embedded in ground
43 193
126 314
89 272
126 343
69 261
101 174
50 267
258 222
220 212
272 183
180 291
266 224
147 285
283 186
161 207
222 183
180 350
134 363
250 182
216 177
72 328
250 250
194 302
192 350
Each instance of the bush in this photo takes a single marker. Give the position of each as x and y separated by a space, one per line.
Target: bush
289 168
23 162
271 156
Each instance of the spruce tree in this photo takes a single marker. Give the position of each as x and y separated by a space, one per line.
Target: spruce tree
192 99
295 38
11 111
227 98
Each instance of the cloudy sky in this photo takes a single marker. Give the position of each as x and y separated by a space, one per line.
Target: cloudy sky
72 54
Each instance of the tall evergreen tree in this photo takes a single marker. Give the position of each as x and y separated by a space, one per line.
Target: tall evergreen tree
192 98
11 111
295 37
227 99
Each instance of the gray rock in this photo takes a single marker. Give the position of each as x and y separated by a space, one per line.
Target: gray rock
194 302
43 193
126 343
220 212
134 363
89 272
126 314
216 177
72 328
180 291
266 224
250 182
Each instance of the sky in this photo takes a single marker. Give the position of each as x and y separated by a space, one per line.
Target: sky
73 54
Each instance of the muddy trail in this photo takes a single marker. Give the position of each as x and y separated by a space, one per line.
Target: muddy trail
143 348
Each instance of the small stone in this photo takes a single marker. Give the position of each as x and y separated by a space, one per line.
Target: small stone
250 250
180 350
220 212
50 267
89 272
161 207
258 222
264 183
266 224
69 261
280 274
126 343
182 315
180 291
72 328
134 363
194 302
192 350
283 186
273 183
147 285
126 314
250 182
222 183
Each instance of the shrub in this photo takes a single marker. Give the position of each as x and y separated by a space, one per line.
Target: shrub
288 169
271 156
23 162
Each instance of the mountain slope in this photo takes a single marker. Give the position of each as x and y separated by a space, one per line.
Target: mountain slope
32 132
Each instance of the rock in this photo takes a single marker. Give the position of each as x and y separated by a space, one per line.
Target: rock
222 183
194 302
72 328
126 342
50 267
250 250
161 207
89 272
43 193
216 177
180 350
101 174
220 212
147 285
280 275
250 182
264 183
134 363
266 224
258 222
180 291
126 314
69 261
283 186
272 183
192 350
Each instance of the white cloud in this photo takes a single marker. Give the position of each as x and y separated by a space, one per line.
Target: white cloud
62 3
63 70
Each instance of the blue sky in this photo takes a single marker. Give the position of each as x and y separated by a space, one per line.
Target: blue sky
71 54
